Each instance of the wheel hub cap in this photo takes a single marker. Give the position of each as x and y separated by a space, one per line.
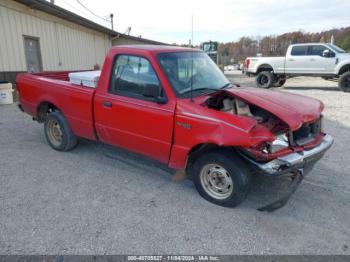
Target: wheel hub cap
216 181
54 132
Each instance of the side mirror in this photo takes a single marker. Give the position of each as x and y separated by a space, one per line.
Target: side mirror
154 91
326 53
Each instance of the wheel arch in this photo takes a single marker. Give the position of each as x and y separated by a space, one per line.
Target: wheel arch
43 109
199 149
264 67
345 68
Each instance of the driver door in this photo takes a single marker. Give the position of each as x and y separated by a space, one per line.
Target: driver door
319 63
125 117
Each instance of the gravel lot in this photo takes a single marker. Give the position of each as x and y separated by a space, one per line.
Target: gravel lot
102 200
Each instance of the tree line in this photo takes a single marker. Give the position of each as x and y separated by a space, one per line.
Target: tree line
277 45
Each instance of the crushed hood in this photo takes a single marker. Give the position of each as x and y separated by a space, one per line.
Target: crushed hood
292 109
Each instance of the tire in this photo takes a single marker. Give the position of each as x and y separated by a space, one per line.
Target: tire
58 133
279 82
264 79
344 82
229 172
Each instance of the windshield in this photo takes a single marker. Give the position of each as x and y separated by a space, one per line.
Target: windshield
209 47
192 70
336 48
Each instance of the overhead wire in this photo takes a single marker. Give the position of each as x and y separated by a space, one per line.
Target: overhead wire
91 12
85 12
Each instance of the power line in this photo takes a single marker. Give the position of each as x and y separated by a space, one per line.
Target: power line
73 7
91 12
81 11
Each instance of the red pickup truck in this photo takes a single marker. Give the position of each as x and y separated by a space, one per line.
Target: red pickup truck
174 105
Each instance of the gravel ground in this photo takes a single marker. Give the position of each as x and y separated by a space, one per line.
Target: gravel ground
102 200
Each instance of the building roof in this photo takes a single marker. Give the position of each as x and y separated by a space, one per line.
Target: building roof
161 48
60 12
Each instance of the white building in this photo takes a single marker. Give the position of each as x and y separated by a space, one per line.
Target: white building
36 35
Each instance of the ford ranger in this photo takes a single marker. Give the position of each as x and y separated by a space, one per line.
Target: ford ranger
323 60
174 105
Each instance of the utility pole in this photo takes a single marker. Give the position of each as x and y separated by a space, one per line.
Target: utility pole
192 33
111 15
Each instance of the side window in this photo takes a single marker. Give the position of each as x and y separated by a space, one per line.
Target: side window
299 50
317 50
130 75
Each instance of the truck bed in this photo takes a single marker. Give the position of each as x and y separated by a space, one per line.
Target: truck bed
276 62
74 101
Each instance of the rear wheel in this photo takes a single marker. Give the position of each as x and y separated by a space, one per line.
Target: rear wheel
264 79
221 178
58 132
344 82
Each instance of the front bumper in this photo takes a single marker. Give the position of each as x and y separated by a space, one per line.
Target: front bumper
297 164
294 162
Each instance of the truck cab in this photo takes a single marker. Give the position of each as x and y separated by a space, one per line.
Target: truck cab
313 59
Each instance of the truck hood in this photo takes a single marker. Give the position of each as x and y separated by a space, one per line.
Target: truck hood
343 56
292 109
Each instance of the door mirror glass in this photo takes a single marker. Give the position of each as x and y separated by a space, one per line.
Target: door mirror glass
326 53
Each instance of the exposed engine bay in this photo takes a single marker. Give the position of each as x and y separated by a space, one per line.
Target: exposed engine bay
235 106
284 138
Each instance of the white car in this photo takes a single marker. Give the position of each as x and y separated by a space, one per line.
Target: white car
314 59
229 68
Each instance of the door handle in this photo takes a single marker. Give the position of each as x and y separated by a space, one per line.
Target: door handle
291 59
312 59
107 104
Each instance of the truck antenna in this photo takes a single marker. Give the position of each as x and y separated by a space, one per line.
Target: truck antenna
191 79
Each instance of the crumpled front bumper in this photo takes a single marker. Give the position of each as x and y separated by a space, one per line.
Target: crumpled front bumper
294 162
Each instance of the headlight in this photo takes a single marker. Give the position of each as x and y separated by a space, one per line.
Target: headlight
279 143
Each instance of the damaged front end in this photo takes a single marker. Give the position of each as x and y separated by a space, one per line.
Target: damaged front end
288 154
277 146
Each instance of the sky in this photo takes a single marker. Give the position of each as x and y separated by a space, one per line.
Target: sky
170 21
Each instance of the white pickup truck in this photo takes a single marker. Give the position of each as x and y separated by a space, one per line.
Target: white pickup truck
316 59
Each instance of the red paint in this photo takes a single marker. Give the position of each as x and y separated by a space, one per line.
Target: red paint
247 63
157 130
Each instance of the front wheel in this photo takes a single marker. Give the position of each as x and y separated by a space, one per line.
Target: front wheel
264 79
344 82
221 178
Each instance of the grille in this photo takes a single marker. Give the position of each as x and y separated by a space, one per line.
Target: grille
306 133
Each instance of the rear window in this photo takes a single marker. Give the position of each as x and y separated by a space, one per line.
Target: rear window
299 50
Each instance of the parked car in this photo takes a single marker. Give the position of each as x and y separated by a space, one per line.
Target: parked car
174 105
316 59
229 68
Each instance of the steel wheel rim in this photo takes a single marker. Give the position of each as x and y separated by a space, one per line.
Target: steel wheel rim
216 181
54 132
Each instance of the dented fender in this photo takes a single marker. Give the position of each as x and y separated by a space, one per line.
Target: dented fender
195 125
